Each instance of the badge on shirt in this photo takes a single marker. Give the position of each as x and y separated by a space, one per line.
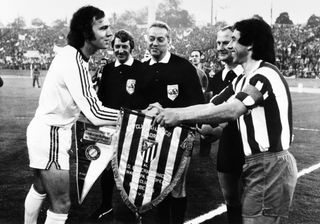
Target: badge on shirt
172 91
131 84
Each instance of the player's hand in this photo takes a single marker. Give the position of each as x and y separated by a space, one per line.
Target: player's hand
152 112
153 109
168 117
155 105
210 133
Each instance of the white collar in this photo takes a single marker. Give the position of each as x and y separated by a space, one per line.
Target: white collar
238 70
164 60
129 62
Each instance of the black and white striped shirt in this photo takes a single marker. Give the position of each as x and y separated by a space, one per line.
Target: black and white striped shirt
267 126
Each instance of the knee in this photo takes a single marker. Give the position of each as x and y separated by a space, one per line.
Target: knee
62 204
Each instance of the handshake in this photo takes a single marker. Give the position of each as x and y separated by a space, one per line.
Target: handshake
153 109
169 117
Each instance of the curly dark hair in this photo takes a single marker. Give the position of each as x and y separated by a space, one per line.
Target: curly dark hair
81 25
257 33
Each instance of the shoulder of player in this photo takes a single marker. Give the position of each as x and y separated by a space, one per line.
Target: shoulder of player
267 70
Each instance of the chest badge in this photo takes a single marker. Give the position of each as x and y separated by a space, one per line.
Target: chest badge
130 87
172 91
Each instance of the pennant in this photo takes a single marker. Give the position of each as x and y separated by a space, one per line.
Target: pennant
95 146
149 160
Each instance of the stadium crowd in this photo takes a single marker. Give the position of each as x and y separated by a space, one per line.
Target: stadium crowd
297 47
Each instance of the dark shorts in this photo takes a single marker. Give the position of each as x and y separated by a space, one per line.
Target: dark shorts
269 183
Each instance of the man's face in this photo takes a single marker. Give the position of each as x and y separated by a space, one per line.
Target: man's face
102 33
195 57
121 50
223 39
158 42
239 52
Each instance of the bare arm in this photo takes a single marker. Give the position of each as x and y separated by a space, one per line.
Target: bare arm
202 113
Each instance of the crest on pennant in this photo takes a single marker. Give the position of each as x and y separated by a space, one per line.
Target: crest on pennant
130 86
148 150
172 91
149 160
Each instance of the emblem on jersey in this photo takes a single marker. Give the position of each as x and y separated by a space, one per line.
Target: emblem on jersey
148 150
130 87
92 152
172 91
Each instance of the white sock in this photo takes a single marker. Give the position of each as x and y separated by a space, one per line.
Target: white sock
32 206
55 218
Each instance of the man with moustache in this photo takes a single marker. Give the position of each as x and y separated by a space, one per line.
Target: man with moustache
120 86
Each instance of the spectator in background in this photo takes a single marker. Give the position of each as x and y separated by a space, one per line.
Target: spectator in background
36 76
195 58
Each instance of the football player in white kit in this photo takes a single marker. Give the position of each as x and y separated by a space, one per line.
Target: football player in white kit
67 91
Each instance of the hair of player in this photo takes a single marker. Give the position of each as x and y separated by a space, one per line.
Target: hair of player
162 25
124 36
257 33
81 25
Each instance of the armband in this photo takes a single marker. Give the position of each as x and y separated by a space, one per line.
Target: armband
246 99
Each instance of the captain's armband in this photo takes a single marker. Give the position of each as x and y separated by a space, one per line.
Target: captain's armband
246 99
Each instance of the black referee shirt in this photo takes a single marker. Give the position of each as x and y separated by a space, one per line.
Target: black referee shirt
122 86
173 84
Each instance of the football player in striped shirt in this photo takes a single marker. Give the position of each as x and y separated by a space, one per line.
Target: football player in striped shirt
67 91
260 101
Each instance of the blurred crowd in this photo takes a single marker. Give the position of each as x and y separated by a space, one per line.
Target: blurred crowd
297 47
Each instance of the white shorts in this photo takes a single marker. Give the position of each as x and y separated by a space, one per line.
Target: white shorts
48 145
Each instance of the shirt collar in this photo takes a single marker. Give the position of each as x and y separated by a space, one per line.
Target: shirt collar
238 70
129 62
83 56
164 60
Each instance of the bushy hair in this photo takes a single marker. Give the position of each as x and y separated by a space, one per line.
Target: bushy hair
81 25
257 33
124 36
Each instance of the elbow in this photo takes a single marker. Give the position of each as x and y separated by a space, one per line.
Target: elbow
233 115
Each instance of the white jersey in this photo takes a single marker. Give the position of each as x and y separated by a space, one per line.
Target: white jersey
68 90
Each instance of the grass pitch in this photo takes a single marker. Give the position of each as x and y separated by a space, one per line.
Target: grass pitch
18 101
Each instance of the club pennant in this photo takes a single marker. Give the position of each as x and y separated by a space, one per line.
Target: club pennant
149 160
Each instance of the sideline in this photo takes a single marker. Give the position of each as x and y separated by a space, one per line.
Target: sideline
306 129
223 208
